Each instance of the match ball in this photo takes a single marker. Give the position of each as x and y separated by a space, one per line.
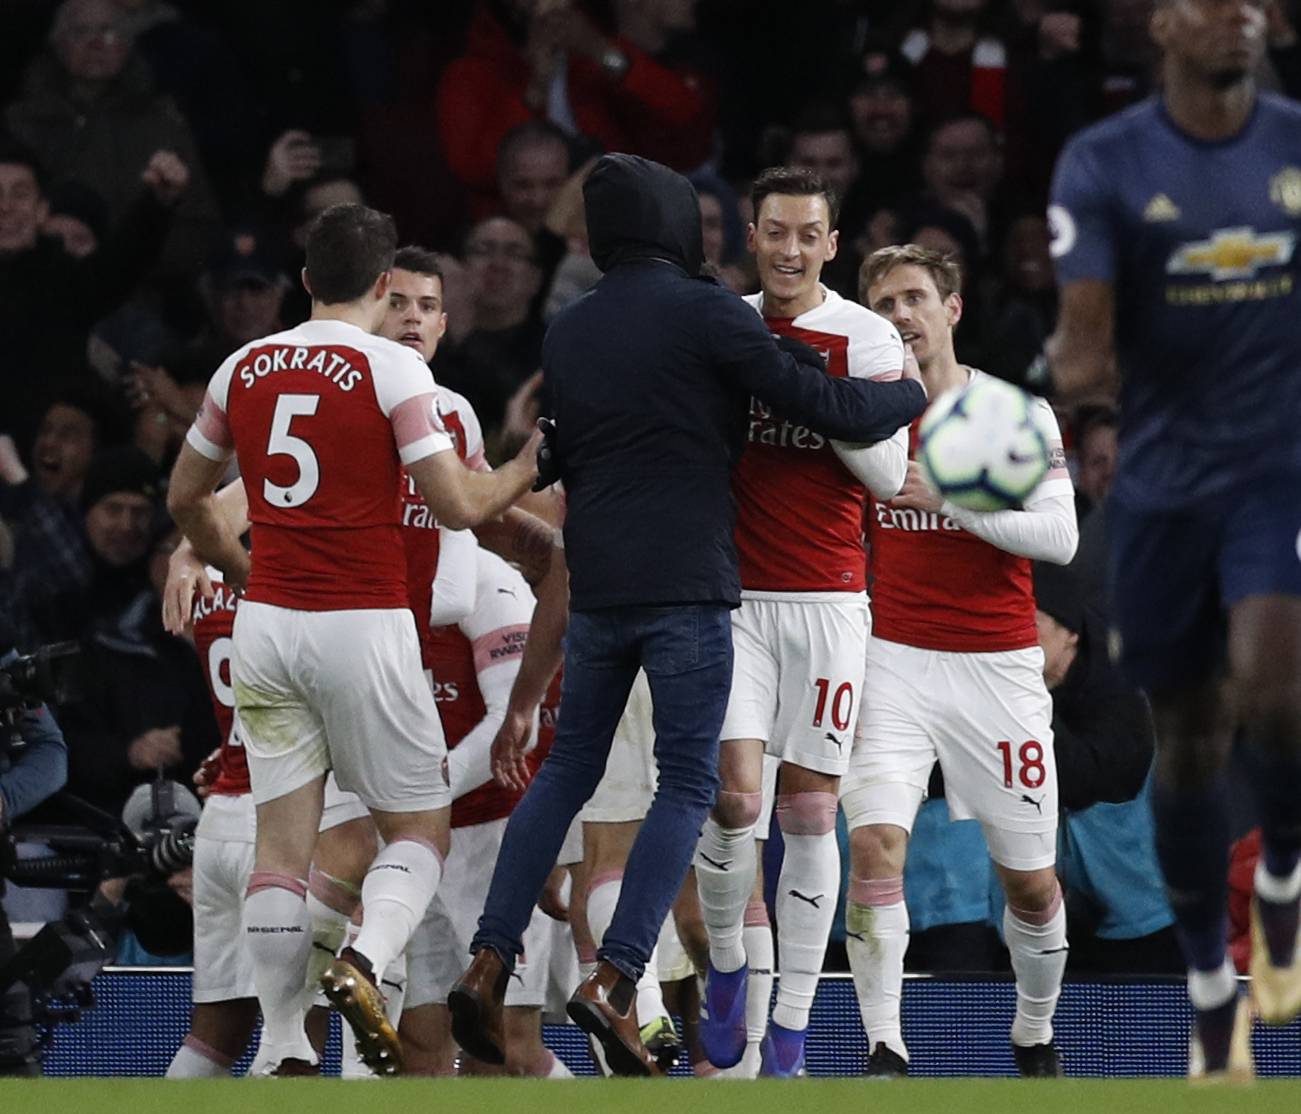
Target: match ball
980 446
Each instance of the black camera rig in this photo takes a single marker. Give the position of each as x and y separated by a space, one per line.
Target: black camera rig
47 981
50 976
46 675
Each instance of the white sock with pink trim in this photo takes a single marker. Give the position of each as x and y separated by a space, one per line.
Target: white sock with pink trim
280 943
196 1060
398 888
1036 941
726 862
806 900
876 938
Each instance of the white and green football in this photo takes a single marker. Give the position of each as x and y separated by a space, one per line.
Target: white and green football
980 446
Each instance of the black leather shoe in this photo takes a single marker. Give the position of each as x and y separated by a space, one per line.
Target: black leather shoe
475 1003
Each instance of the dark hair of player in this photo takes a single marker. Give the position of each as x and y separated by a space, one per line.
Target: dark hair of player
348 247
794 181
944 271
419 261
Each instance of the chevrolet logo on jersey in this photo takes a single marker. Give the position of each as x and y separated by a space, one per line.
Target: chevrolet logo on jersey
1232 253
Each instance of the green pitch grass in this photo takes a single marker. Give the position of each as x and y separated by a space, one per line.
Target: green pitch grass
464 1096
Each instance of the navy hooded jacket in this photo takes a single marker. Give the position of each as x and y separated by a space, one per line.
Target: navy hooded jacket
650 375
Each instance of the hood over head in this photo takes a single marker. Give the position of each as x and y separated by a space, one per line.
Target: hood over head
638 209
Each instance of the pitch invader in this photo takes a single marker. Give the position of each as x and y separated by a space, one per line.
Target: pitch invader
608 823
799 634
1175 229
955 673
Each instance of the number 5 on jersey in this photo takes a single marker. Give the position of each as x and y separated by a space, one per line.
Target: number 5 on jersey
283 443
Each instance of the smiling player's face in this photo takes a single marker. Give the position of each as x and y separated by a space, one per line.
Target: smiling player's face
791 239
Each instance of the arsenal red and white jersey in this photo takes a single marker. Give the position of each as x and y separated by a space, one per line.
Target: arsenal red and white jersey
214 620
419 527
463 659
321 417
937 587
799 510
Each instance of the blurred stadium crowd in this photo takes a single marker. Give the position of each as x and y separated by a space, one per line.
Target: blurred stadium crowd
159 164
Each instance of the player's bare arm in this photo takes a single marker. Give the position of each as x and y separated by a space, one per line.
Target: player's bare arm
1081 352
462 499
542 657
522 537
192 503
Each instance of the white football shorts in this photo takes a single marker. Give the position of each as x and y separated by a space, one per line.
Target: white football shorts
345 690
797 677
987 719
223 861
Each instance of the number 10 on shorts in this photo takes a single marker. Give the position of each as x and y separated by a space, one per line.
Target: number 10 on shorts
841 704
1028 764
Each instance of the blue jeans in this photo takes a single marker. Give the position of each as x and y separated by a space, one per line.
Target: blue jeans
686 652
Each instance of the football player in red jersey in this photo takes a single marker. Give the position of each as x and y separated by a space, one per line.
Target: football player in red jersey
955 673
799 636
326 668
346 845
225 1003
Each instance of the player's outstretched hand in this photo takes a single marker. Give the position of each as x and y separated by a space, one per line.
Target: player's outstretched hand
206 774
552 898
508 748
917 492
185 576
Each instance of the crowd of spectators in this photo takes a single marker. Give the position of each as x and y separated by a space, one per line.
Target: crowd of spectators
161 159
